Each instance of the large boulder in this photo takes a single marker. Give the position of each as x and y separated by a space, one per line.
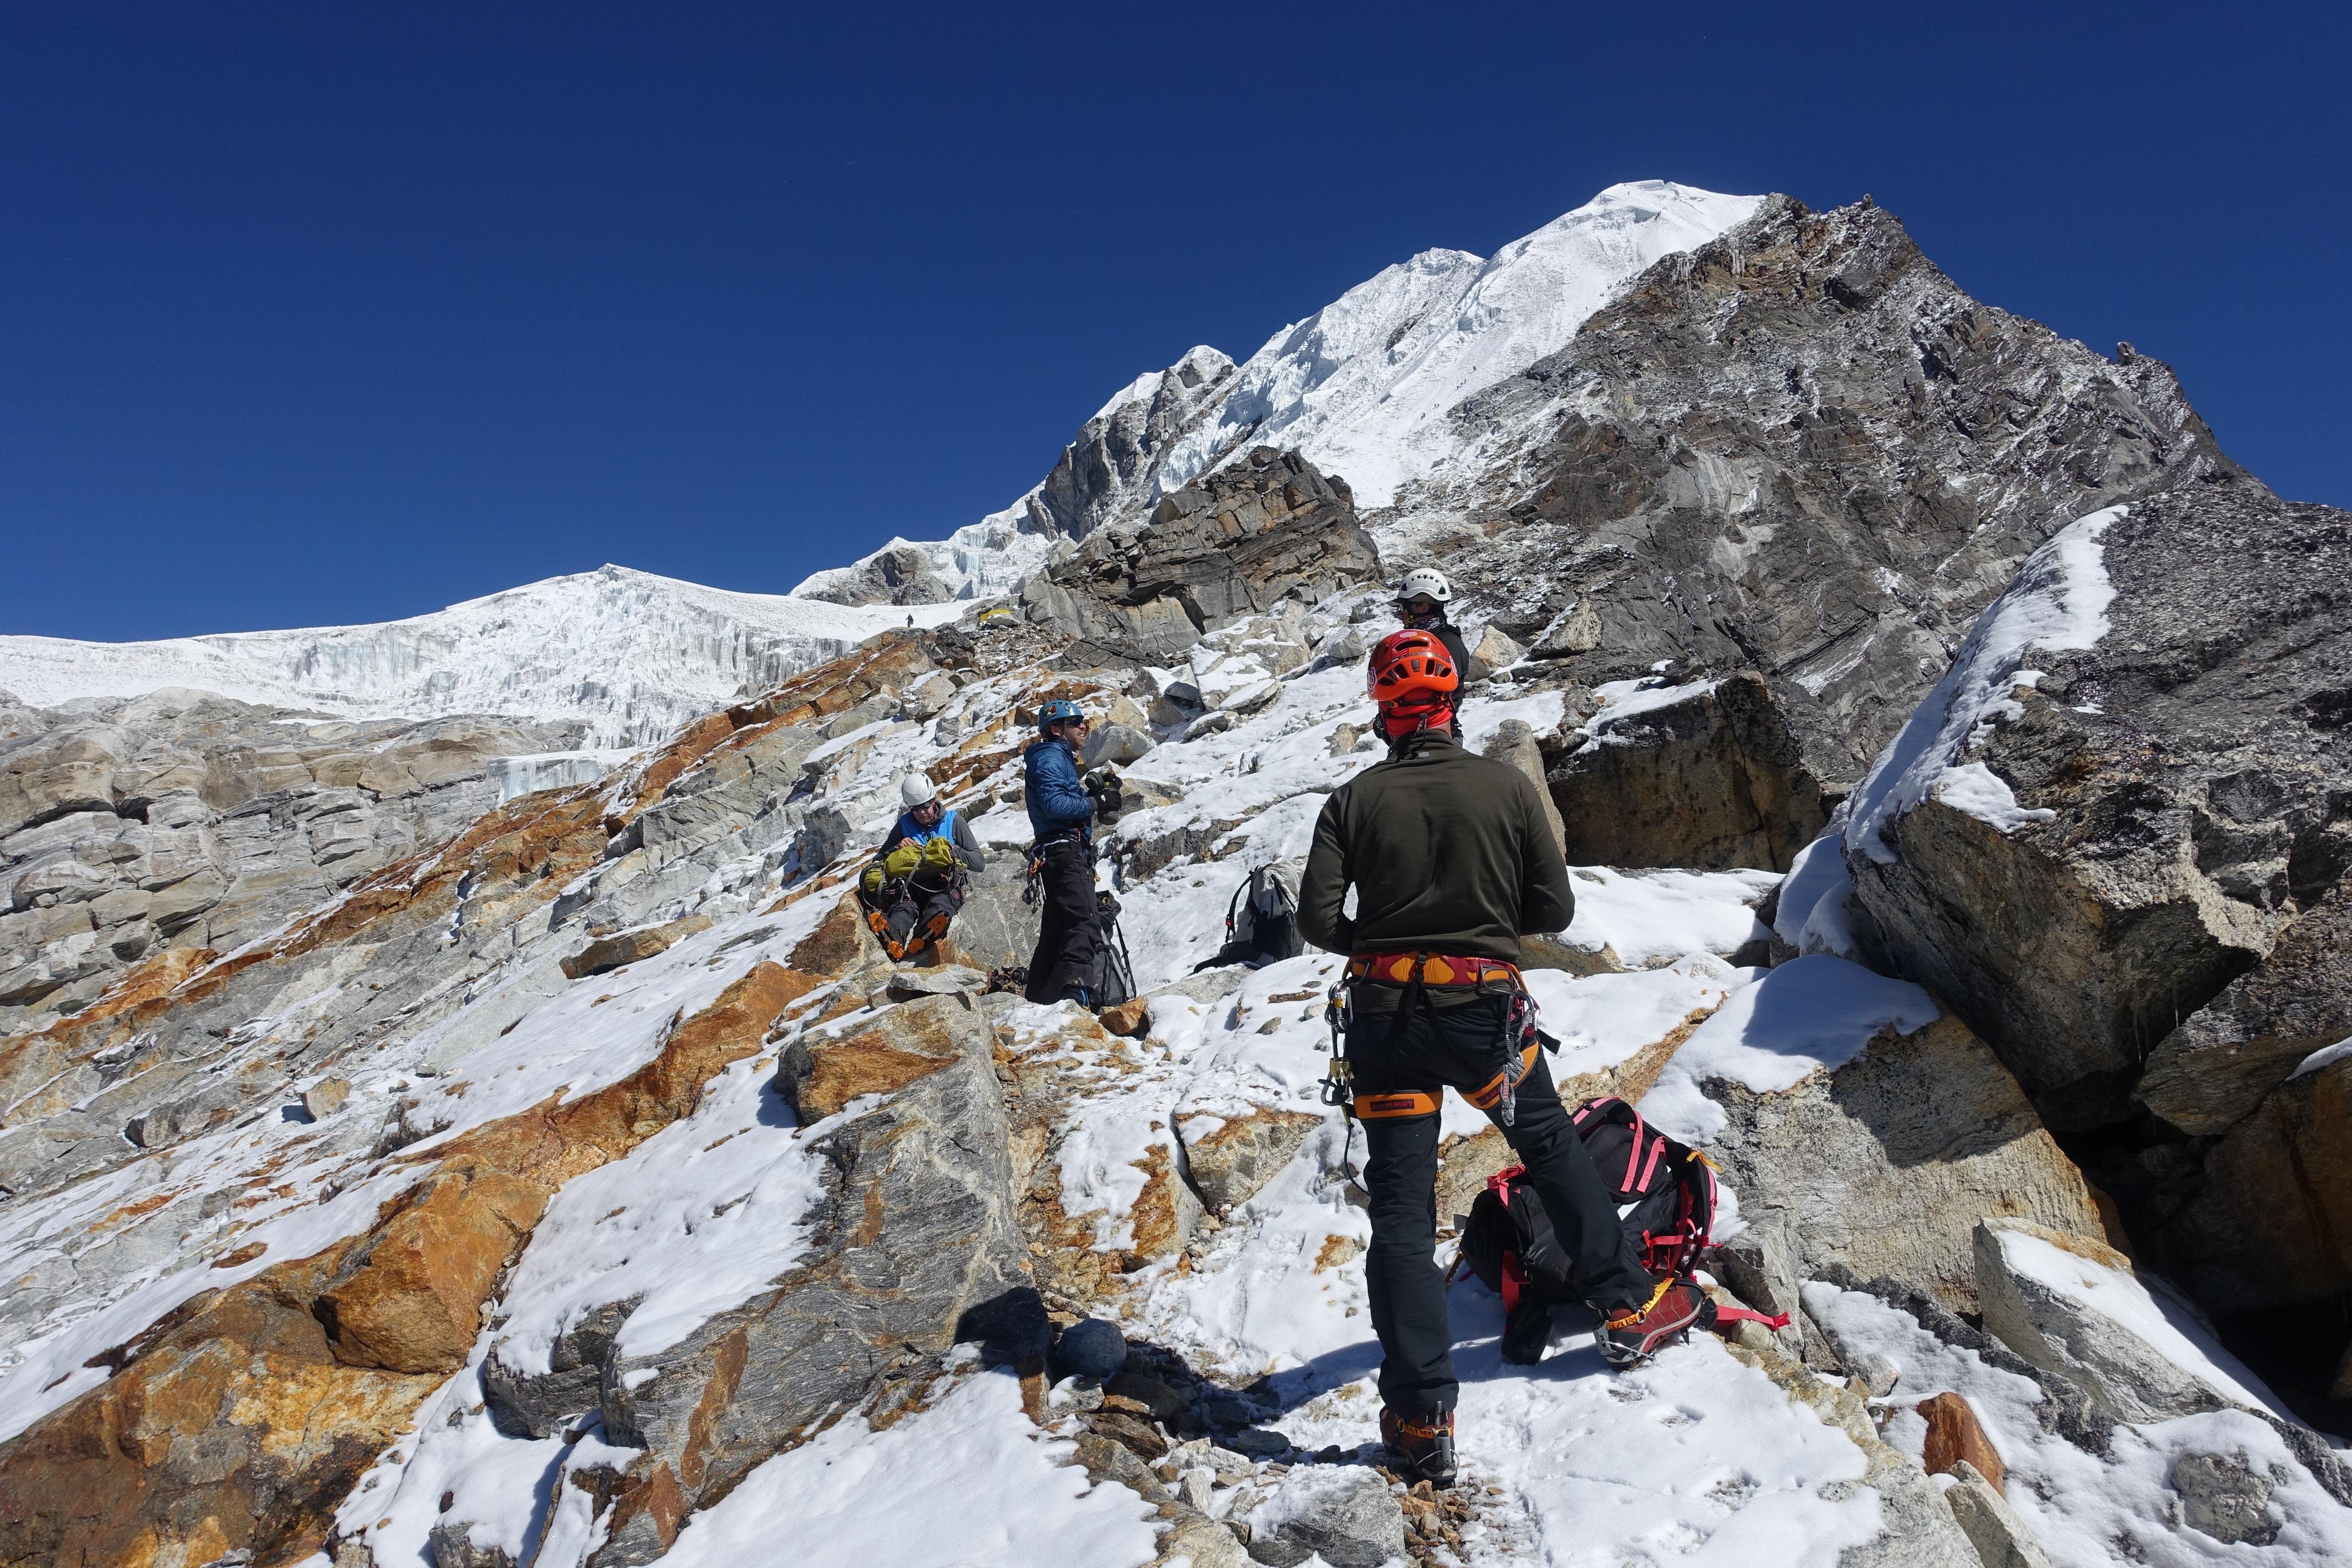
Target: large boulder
2137 776
1706 774
1235 541
1887 1163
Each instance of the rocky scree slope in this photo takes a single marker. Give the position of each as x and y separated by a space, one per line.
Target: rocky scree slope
591 1191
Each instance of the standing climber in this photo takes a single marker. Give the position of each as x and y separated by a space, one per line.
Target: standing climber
1451 861
1422 603
917 882
1062 812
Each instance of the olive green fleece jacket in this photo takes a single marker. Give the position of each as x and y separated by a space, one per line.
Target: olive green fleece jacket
1448 852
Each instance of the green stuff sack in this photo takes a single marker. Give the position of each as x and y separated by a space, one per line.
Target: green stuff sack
901 862
937 852
871 882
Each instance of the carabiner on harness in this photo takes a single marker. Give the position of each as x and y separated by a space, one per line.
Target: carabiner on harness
1339 1086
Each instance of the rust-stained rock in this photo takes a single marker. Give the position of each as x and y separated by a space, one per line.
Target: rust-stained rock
239 1420
1954 1437
820 1075
409 1298
1129 1018
914 1248
1234 1154
629 946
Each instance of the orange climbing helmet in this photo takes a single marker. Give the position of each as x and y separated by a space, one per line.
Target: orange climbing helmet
1412 678
1411 667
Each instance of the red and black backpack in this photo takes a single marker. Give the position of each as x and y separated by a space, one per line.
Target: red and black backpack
1664 1193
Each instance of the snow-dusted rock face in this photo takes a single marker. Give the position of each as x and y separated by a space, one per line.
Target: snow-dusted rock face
627 654
181 820
1798 449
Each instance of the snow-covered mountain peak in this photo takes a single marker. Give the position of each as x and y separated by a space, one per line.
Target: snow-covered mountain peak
1362 386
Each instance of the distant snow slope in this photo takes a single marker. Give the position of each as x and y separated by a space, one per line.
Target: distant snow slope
631 655
1363 386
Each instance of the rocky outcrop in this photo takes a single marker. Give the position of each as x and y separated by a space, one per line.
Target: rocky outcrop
186 820
1110 470
1887 1164
2214 1069
1239 540
1711 779
2187 793
898 574
1801 449
914 1248
234 1418
2267 1218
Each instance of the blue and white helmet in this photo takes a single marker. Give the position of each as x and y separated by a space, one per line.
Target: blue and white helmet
1059 708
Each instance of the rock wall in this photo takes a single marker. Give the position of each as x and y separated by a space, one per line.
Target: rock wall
1243 540
1712 780
184 820
2162 929
1799 449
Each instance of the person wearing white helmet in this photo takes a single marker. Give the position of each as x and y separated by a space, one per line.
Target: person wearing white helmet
917 882
1421 604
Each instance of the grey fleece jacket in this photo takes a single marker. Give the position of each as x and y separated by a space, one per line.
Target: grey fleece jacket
1448 852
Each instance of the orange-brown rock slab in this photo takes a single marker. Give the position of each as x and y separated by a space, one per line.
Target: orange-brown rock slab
236 1422
821 1076
1954 1434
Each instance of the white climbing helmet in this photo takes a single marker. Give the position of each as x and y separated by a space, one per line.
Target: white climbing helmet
916 790
1426 581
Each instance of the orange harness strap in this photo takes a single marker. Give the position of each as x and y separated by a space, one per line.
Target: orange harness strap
1395 1107
1485 1098
1435 969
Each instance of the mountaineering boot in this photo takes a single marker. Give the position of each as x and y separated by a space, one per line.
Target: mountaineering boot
1632 1336
1420 1450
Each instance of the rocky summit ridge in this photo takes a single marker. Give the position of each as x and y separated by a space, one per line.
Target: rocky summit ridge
435 1131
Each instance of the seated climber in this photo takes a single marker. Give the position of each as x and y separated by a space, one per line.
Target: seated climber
917 882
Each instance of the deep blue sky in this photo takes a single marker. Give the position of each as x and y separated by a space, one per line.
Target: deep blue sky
333 312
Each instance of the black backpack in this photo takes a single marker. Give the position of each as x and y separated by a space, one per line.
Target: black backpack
1114 980
1664 1194
1262 921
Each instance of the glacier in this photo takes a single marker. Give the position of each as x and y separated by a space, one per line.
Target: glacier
631 655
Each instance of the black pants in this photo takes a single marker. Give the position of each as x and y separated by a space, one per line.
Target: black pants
917 916
1065 960
1462 1048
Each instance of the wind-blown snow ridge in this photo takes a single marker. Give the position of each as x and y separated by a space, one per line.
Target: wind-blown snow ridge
630 655
2058 601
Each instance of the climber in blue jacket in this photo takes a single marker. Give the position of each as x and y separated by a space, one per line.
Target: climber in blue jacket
1062 812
